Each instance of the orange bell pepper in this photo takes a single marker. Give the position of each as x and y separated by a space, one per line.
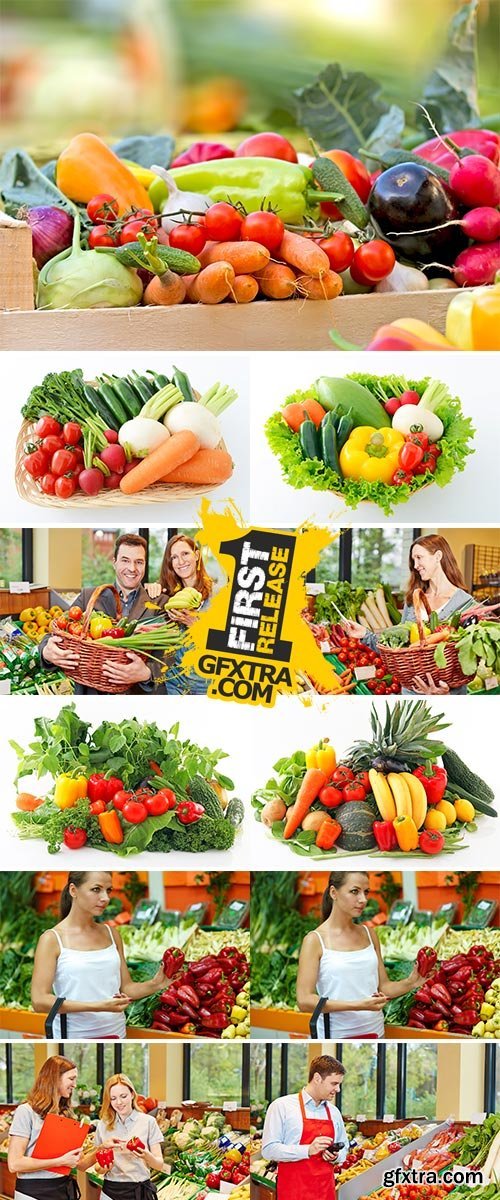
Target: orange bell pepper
110 826
87 166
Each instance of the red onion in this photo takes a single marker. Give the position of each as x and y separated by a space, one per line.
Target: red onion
52 230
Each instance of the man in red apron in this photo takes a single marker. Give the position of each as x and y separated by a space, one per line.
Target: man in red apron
299 1132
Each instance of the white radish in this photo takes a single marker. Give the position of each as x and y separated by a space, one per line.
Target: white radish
198 419
142 435
408 416
179 203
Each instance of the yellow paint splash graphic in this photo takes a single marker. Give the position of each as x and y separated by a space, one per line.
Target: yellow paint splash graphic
267 649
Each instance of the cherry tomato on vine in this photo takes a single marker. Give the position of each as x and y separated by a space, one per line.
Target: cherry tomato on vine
372 262
188 237
102 208
133 228
52 443
223 222
65 486
266 228
340 250
62 462
101 235
36 463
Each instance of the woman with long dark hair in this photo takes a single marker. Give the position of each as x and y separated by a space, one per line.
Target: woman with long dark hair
51 1093
342 961
82 959
435 571
128 1177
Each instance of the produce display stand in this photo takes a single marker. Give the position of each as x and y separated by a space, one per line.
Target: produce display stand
296 1024
13 603
32 1027
261 325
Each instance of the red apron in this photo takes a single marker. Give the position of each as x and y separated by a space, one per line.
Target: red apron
309 1178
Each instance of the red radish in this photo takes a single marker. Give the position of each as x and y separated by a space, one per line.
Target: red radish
475 180
409 397
130 465
115 458
91 480
391 406
112 481
482 224
111 436
477 265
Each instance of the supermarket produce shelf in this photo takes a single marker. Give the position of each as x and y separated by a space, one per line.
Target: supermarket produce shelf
297 1023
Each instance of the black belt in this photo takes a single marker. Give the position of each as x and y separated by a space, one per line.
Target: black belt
313 1024
60 1187
142 1189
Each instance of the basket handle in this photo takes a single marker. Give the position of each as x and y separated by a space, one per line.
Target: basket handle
421 603
106 587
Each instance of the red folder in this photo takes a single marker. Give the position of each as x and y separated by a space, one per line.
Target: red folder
58 1135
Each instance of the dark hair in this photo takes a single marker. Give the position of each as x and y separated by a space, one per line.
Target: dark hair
130 539
77 878
170 581
335 879
433 542
325 1065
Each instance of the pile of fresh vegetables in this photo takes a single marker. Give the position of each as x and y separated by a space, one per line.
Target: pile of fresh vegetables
123 434
34 622
370 438
20 666
480 1147
278 929
150 639
205 997
389 793
452 997
472 323
128 787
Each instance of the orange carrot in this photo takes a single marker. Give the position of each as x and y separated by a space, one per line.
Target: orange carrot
302 253
165 289
294 414
245 257
326 288
206 466
277 281
309 789
245 289
170 454
213 284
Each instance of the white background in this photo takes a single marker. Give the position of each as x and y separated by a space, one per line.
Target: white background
472 497
212 723
293 726
19 372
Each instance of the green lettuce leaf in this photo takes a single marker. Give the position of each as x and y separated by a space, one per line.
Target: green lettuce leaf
341 109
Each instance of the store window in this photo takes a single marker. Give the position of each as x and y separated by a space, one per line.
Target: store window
380 554
328 566
85 1058
258 1072
17 1071
421 1082
391 1079
215 1074
11 556
359 1087
135 1064
298 1066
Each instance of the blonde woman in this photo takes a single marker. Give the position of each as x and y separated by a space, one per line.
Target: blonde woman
128 1178
51 1093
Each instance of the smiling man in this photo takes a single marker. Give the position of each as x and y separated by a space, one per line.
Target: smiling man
301 1131
129 559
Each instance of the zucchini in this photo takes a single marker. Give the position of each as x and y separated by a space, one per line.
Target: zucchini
310 441
101 408
347 394
235 811
329 443
201 792
331 179
455 792
113 403
460 774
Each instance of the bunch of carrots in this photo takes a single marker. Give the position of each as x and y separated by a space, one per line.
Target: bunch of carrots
179 459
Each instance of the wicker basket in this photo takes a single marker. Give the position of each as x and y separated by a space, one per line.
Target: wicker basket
158 493
408 661
92 653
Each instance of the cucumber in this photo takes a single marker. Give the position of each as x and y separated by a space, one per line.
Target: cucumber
114 405
348 394
142 386
102 409
124 394
329 444
455 792
235 811
397 158
460 774
310 441
331 179
201 792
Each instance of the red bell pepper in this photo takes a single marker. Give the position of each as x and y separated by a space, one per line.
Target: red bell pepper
424 994
216 1020
434 780
212 1181
414 1024
105 1156
467 1018
173 960
385 835
426 960
201 968
176 1019
187 1011
170 997
453 966
188 995
135 1143
439 992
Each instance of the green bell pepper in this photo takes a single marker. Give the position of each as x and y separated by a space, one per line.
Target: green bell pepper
255 183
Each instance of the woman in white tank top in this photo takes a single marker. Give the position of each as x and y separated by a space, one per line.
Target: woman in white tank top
342 961
82 960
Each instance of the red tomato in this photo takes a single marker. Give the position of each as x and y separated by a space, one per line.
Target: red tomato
188 237
97 807
353 791
331 796
52 443
267 145
342 775
102 208
223 222
410 456
120 799
265 228
75 613
78 453
62 462
372 262
340 250
169 796
47 484
355 172
101 235
132 228
362 778
36 464
46 426
134 812
72 433
65 486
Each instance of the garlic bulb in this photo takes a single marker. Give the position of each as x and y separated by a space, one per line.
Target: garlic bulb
178 203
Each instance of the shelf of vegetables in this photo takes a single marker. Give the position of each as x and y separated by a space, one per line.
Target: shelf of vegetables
377 211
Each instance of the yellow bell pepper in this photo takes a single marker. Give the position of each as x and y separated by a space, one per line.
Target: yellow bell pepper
42 619
28 614
322 757
473 318
142 174
99 626
422 330
69 790
371 454
414 635
30 628
55 611
406 832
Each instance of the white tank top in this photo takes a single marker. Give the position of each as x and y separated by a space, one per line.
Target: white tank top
349 975
89 975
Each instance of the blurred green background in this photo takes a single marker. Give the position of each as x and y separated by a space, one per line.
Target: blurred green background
118 66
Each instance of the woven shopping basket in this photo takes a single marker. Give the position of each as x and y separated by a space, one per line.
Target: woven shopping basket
408 661
92 654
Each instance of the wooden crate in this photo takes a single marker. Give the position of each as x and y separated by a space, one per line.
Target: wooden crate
262 325
13 603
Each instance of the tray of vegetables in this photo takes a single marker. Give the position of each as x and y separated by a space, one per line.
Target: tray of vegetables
451 651
124 787
128 439
365 437
401 793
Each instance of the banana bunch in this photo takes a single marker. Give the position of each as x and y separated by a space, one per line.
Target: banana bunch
399 795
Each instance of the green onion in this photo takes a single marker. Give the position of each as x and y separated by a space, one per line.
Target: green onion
162 402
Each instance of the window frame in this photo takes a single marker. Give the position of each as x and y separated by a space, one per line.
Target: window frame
244 1098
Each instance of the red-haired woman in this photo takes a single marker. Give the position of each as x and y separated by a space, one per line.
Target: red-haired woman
433 569
51 1093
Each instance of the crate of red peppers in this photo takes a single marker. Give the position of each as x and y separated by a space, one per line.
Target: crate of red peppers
452 995
207 998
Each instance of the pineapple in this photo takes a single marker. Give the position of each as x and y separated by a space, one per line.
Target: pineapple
402 742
